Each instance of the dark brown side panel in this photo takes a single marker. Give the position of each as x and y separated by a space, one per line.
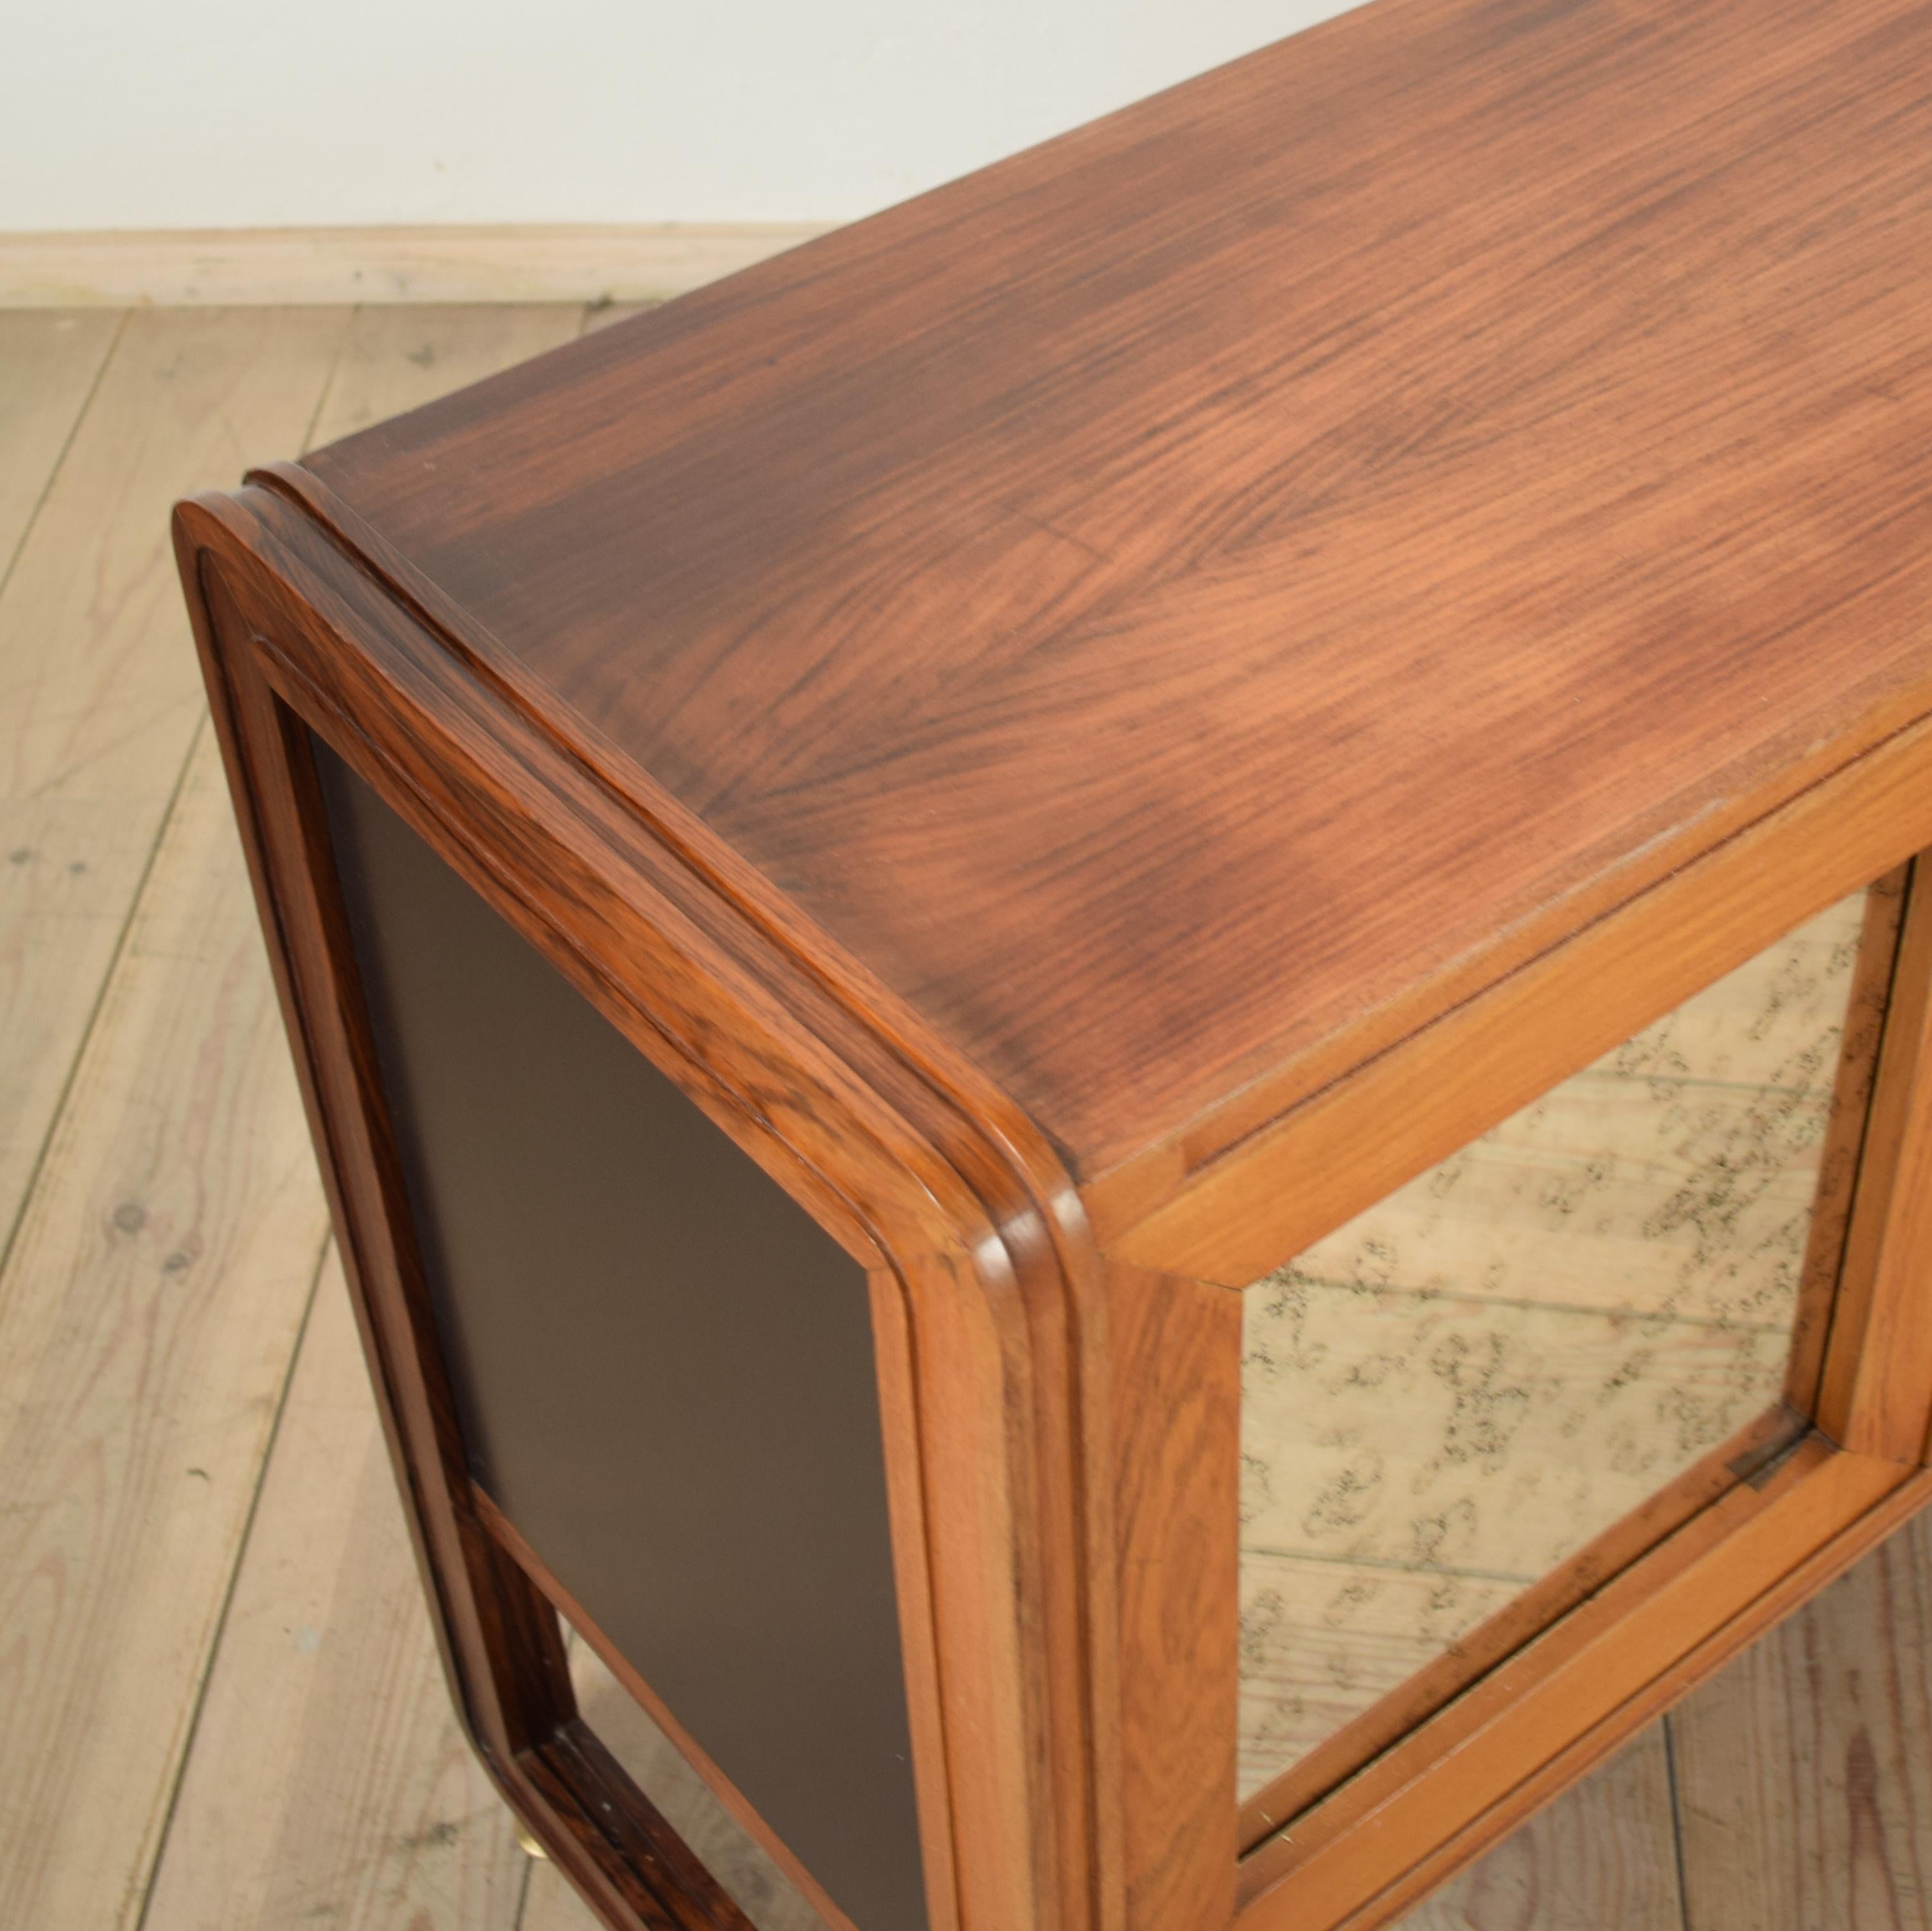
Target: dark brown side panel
664 1366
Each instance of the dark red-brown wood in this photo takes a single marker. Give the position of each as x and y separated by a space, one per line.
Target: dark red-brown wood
1161 600
946 1221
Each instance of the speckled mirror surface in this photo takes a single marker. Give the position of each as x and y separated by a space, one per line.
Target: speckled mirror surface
1447 1397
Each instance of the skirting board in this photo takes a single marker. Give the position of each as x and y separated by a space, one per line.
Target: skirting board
178 267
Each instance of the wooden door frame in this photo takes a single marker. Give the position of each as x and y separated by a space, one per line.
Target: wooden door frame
1372 1820
978 1325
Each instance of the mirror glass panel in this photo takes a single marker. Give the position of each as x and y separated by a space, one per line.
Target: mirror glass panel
1450 1396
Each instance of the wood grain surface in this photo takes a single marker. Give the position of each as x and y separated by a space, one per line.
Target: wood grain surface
555 264
151 1304
100 698
329 1783
1370 1131
49 362
1176 1364
1804 1772
1181 593
1602 1858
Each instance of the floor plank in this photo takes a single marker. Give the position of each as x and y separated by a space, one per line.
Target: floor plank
552 1905
601 314
99 696
49 358
400 358
328 1779
329 1782
149 1312
1804 1771
1602 1858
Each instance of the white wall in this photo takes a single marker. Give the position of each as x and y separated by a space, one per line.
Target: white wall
136 113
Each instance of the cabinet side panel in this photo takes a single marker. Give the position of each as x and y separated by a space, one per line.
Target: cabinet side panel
663 1365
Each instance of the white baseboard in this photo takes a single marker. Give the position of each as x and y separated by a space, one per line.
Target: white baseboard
243 266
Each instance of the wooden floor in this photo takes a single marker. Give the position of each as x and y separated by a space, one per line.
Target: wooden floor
220 1707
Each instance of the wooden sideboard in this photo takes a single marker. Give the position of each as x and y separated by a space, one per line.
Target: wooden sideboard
1116 994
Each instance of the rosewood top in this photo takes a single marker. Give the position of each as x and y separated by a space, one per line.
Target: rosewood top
1168 607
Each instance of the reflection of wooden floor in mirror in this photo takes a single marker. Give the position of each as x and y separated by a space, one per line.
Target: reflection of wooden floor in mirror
1446 1398
762 1890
